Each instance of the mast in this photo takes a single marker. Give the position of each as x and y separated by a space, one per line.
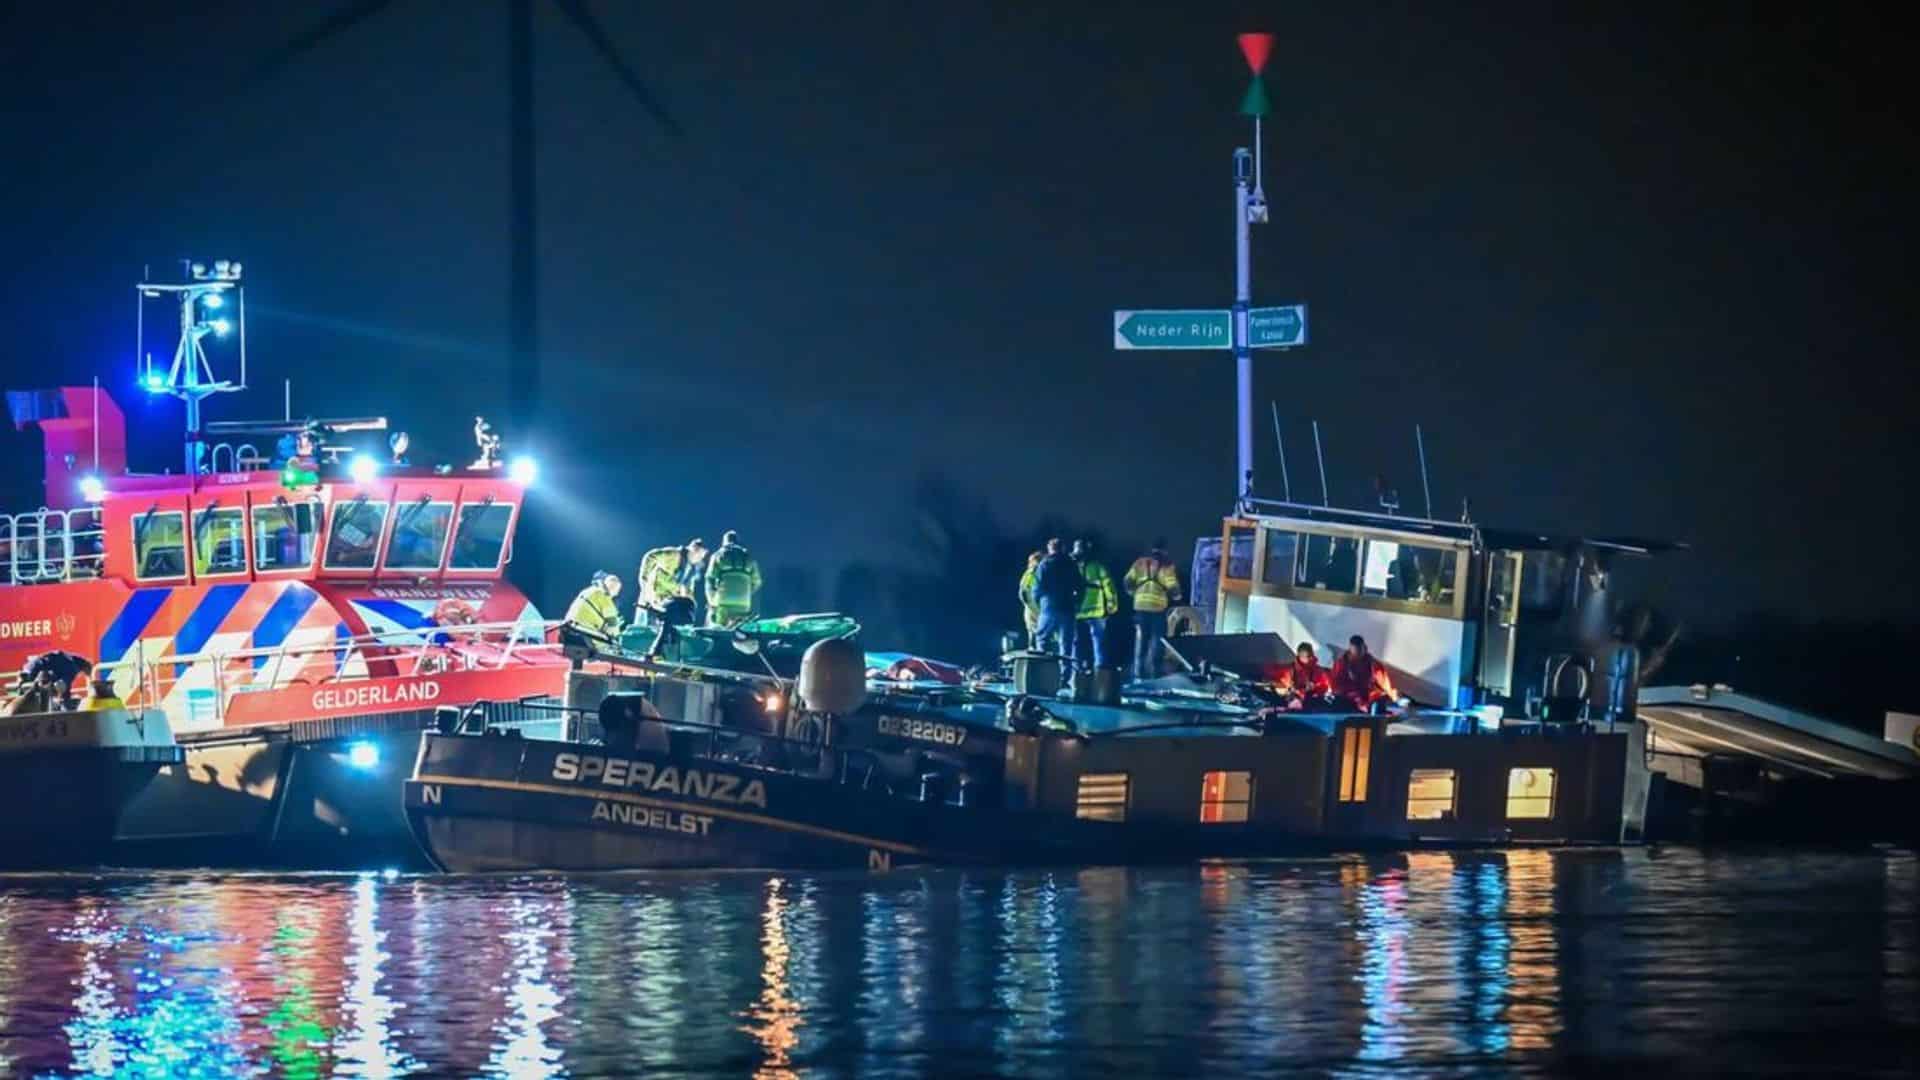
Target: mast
212 302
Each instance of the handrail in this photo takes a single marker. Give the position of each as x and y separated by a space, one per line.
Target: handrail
49 545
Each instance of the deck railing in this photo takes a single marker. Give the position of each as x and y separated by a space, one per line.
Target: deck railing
51 545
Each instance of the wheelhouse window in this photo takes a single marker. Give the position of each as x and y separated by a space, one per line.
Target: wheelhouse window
219 540
1356 752
419 535
1530 794
1239 561
1430 795
1328 562
1225 797
1411 572
353 537
1101 797
1278 569
284 534
160 544
480 536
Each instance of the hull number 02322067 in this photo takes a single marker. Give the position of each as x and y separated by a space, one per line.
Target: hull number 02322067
907 727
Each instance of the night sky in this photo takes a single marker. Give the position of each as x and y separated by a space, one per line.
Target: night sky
1634 271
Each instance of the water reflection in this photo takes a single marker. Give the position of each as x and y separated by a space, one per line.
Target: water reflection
1451 961
775 1015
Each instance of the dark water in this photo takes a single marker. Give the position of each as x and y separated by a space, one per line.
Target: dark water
1462 962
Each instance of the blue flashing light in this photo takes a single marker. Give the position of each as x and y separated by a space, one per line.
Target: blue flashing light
523 471
153 382
362 469
92 488
363 755
221 326
214 301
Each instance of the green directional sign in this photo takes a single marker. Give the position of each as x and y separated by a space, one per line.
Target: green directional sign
1277 327
1192 329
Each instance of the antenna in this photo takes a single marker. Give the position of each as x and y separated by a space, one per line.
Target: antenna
1322 458
1420 441
1286 485
202 294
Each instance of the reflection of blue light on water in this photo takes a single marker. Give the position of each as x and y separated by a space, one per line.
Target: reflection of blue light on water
145 1022
1383 938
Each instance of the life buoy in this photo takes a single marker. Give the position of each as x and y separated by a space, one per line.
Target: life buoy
1184 620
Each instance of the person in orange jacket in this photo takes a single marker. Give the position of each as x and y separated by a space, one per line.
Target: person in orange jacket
1360 680
1304 679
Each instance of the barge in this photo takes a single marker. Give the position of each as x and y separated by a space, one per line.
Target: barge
1521 722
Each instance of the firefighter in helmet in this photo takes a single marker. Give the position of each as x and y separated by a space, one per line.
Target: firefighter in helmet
733 583
593 610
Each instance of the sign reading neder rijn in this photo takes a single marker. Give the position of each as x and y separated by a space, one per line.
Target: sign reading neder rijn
1183 329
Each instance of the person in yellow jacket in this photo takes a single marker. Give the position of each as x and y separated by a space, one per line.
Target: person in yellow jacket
1029 600
733 583
1100 601
1154 586
667 572
593 609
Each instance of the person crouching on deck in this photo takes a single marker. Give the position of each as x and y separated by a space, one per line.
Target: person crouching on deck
1360 681
1304 680
593 610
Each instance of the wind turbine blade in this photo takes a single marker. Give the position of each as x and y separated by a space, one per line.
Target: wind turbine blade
332 26
597 36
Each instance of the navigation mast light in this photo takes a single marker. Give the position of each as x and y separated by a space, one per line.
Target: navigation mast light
92 488
523 471
362 468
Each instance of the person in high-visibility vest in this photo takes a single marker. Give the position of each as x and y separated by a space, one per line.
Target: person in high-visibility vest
733 583
1097 603
667 572
1154 585
1029 598
593 609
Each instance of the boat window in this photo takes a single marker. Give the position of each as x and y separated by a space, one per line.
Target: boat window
1328 562
1530 793
1239 553
419 536
1356 750
354 536
160 544
1225 797
1278 569
481 535
219 540
1503 592
1102 797
1423 575
1430 795
283 534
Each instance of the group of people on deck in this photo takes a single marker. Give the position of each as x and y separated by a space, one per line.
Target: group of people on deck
1357 683
1068 596
676 581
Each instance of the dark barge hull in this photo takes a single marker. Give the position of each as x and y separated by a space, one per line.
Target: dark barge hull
505 803
496 803
310 795
67 778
